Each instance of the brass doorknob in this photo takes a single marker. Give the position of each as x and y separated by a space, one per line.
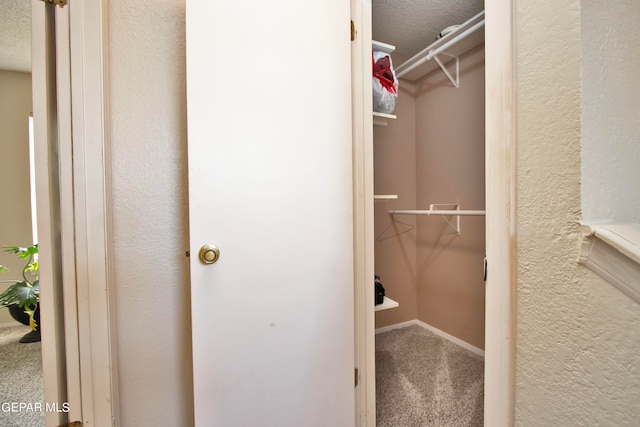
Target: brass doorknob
209 254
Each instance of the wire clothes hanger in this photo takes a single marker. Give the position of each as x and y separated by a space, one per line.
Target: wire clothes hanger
393 224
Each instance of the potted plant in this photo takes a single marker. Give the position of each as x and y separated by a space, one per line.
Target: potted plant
23 296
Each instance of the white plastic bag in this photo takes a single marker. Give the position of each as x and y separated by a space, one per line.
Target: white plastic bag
385 83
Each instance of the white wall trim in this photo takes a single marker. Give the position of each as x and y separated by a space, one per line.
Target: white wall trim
613 252
455 340
363 210
67 227
395 326
48 205
96 317
500 184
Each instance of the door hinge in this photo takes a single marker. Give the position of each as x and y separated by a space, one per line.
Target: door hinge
356 377
61 3
353 31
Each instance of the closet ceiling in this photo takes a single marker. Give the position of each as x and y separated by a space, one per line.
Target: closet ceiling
15 35
412 25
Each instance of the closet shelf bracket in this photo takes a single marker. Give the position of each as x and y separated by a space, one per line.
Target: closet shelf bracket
434 210
447 43
456 80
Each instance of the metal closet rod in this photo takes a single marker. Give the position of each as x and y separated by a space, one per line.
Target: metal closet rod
433 50
442 212
436 212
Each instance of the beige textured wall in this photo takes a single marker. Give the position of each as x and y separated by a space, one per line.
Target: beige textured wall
149 154
395 173
577 346
15 212
450 169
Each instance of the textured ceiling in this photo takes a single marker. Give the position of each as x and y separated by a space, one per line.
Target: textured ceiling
412 25
15 35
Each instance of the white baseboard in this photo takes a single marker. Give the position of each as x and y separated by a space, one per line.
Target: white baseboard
396 326
436 331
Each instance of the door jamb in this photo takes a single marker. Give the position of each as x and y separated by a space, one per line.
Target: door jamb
365 391
92 190
79 354
44 99
500 216
500 183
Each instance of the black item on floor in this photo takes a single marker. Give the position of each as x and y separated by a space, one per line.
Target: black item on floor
379 291
33 336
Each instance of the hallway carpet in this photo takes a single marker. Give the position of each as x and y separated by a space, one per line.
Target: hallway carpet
424 380
20 379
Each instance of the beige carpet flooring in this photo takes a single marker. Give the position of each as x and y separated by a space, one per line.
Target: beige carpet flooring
20 379
424 380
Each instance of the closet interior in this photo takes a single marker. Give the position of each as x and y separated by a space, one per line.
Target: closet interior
429 171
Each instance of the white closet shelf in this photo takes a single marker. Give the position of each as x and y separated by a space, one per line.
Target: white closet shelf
387 303
381 118
460 40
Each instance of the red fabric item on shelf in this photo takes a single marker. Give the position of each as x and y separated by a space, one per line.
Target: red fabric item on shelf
382 71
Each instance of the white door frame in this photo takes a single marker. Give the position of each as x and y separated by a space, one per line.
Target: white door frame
92 189
500 183
363 214
78 322
47 202
500 215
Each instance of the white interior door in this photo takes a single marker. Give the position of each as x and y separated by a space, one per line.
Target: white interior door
270 184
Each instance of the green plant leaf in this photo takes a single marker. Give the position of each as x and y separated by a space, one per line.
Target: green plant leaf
22 252
3 269
21 293
26 292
